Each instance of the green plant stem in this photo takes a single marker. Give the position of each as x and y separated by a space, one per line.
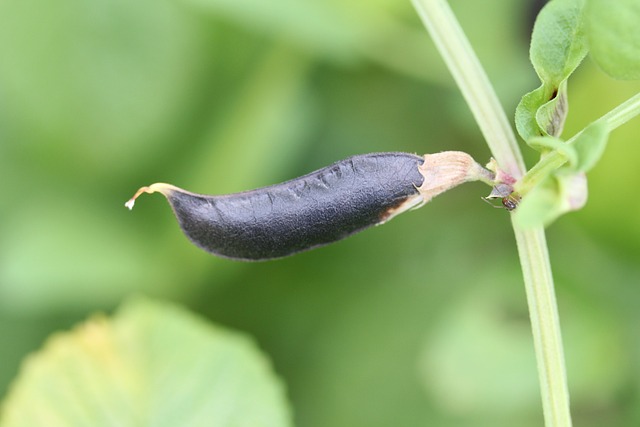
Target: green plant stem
473 82
623 112
552 161
532 248
543 311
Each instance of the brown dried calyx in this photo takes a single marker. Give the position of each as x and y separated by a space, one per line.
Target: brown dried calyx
443 171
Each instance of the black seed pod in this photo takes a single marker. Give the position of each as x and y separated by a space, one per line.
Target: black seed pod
316 209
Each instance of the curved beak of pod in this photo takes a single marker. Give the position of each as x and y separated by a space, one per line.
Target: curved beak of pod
158 187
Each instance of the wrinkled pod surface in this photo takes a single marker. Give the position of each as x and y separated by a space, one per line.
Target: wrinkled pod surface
316 209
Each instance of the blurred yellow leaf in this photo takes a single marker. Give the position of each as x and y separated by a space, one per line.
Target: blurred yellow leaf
152 364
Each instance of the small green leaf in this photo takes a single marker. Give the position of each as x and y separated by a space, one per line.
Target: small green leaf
525 119
614 36
542 112
549 143
558 194
558 45
558 42
540 206
151 365
590 145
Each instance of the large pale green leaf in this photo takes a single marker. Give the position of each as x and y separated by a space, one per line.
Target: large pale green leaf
614 36
150 365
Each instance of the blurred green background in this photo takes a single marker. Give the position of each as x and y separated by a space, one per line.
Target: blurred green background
420 322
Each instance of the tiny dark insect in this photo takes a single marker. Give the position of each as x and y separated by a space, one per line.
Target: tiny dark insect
316 209
508 198
511 201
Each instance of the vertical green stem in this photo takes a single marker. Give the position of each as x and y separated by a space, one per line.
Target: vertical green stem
543 311
532 248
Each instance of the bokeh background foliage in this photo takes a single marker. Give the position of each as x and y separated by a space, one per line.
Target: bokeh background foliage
420 322
151 364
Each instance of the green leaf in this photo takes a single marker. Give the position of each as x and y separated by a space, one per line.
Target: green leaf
590 145
542 112
558 194
152 364
548 143
558 45
540 206
614 36
558 42
525 119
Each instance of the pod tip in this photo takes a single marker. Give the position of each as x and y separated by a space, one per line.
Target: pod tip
159 187
132 201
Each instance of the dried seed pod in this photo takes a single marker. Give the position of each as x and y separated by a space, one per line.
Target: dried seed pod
316 209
